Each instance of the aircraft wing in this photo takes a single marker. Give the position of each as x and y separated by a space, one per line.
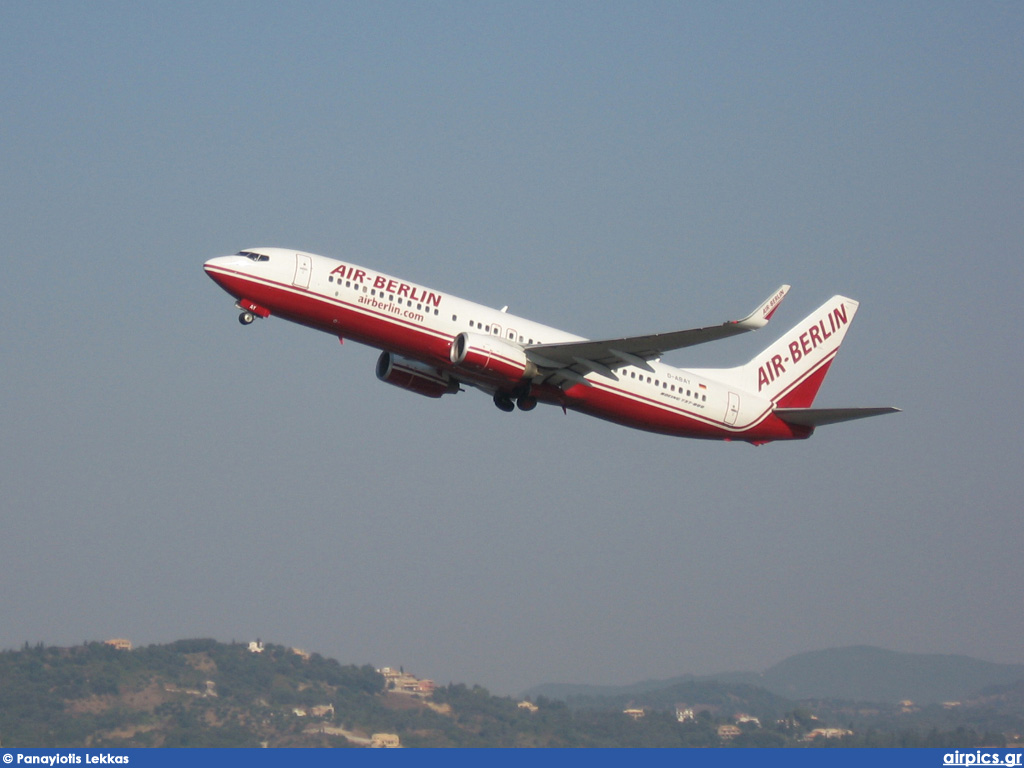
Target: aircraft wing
574 359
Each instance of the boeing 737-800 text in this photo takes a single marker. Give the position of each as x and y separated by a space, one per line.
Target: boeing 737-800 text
433 343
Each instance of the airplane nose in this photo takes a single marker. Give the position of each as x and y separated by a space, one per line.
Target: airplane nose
217 261
213 266
219 268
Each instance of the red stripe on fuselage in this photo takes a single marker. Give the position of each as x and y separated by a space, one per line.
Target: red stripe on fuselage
640 412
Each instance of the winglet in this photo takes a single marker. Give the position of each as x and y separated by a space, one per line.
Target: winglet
760 316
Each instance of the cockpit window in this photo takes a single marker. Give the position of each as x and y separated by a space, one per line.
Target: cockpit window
253 256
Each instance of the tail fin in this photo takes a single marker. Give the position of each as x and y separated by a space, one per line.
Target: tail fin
791 370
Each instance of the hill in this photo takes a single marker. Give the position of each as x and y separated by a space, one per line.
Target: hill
856 673
211 694
187 693
865 673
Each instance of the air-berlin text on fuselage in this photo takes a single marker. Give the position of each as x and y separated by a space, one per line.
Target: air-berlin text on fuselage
803 345
387 284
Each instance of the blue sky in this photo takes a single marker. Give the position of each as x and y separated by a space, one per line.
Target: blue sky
605 168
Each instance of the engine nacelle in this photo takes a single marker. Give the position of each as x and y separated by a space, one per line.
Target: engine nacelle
414 376
491 356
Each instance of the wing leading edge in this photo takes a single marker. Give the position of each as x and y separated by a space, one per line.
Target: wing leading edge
575 359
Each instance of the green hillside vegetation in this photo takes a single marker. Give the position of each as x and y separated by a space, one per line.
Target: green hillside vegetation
95 695
203 693
709 695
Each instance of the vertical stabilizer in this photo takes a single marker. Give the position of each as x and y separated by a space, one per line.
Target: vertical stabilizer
791 370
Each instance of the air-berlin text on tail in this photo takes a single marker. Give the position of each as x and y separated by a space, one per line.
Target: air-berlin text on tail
387 284
805 343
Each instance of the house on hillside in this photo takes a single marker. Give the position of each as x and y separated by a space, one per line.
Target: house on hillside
827 733
400 681
728 731
385 741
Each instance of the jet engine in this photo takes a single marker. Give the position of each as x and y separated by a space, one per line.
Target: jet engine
414 376
491 356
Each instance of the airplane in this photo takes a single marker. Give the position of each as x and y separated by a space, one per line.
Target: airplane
434 344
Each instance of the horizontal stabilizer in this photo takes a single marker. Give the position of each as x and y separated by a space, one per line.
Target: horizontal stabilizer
816 417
